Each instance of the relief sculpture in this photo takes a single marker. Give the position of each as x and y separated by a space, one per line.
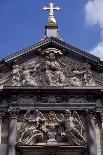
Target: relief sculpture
51 128
73 127
50 70
32 129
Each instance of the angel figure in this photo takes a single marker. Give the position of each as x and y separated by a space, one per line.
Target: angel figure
71 122
31 129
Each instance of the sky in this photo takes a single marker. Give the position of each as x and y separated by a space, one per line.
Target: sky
22 23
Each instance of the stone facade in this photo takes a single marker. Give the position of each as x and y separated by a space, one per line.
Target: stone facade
51 101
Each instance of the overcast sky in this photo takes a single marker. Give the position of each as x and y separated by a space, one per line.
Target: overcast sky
22 24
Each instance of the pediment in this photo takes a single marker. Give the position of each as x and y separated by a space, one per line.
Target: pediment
51 62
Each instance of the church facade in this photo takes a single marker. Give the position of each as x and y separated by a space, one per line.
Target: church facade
51 99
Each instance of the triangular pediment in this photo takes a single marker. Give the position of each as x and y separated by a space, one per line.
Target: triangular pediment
51 62
56 43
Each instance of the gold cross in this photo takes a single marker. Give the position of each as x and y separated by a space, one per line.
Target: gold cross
51 8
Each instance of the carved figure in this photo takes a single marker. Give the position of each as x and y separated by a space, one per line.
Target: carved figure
84 77
16 75
52 73
36 128
32 128
70 124
26 78
50 70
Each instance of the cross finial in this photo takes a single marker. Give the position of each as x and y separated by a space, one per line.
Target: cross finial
51 19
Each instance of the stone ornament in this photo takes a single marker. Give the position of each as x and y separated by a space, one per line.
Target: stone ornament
51 129
50 70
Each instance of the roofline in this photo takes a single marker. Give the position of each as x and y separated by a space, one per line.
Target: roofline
53 40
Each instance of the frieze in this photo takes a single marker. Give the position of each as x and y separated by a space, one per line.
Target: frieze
26 99
51 128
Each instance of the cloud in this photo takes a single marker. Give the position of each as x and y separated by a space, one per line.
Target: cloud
98 50
94 16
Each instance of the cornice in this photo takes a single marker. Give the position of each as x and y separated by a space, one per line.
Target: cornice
70 49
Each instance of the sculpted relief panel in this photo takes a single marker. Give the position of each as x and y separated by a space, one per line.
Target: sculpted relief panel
51 128
50 70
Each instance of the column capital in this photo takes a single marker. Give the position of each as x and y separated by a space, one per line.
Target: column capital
91 113
13 113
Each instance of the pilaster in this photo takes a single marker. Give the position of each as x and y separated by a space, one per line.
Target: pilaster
1 117
12 131
92 148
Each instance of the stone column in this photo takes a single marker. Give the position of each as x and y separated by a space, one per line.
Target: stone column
92 148
12 132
